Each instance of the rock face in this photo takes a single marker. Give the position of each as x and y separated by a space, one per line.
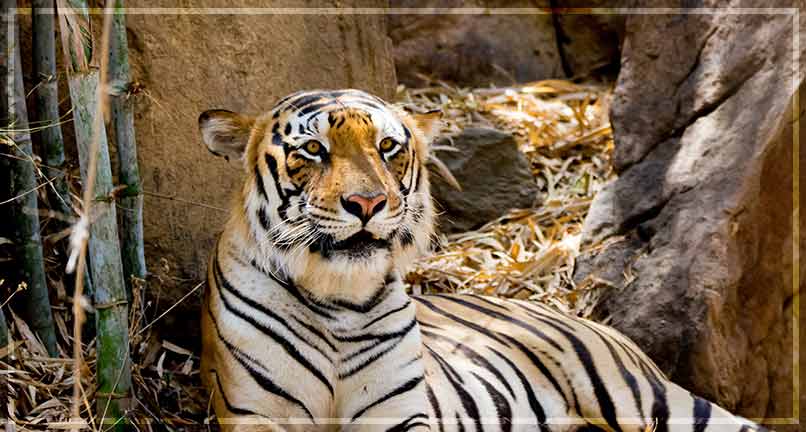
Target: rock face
495 177
502 49
698 227
474 50
588 43
190 63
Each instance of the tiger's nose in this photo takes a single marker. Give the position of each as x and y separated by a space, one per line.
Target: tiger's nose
364 206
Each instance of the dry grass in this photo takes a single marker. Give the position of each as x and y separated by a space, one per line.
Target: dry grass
564 131
40 388
164 377
562 128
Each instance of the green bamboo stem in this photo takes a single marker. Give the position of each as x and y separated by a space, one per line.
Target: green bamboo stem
24 209
5 193
4 338
46 95
113 373
131 201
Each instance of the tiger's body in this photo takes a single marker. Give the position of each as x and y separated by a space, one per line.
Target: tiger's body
306 324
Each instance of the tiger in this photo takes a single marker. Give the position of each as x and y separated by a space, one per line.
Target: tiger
307 325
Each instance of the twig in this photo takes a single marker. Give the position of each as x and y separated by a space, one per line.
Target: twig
170 308
39 164
41 174
19 288
182 200
36 188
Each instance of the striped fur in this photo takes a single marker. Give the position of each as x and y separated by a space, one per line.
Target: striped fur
306 324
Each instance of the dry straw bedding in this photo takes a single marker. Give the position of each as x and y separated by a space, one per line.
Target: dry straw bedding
564 131
561 127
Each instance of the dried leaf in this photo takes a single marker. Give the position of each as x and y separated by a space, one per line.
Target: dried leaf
160 369
175 348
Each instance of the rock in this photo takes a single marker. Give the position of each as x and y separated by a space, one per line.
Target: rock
697 229
589 44
482 49
495 177
474 50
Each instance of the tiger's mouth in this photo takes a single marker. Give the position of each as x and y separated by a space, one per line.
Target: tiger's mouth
359 245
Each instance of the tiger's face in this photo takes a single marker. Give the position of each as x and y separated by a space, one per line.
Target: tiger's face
337 193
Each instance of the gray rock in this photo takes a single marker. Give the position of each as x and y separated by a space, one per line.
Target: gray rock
703 204
483 49
589 44
474 50
495 177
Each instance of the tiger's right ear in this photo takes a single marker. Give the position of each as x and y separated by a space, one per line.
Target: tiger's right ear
429 123
225 133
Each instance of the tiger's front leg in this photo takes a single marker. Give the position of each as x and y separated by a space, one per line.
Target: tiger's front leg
381 375
400 412
234 419
398 406
254 386
232 422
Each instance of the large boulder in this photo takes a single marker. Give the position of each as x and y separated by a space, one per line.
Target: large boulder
589 43
494 174
695 236
474 49
479 49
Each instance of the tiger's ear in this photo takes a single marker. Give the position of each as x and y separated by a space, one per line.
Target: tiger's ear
429 123
225 133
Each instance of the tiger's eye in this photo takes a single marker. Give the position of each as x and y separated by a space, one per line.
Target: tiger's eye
313 147
388 144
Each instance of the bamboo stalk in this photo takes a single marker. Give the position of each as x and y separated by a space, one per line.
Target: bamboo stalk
4 339
24 209
5 229
131 201
5 193
46 94
88 94
47 104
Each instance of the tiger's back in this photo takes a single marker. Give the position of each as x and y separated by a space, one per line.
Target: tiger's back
528 363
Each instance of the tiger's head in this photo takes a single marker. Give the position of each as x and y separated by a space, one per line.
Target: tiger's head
337 192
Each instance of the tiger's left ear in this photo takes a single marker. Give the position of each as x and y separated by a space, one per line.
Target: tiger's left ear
429 123
225 133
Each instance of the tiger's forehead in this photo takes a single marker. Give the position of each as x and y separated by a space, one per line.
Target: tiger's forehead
311 114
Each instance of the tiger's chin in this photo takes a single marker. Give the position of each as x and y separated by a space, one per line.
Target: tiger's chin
351 270
351 273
